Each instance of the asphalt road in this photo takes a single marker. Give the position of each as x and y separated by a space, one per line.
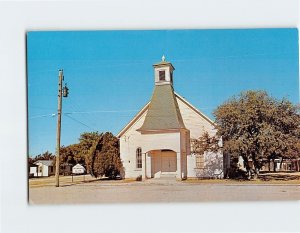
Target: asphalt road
160 191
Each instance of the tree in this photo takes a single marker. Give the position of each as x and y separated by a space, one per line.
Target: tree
72 154
209 148
205 143
285 132
86 141
103 158
257 127
98 152
45 156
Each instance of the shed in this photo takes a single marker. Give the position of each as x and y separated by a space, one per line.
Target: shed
45 168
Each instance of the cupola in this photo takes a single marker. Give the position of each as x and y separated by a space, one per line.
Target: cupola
163 72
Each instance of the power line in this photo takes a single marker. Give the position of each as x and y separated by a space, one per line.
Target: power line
101 111
84 112
80 122
46 115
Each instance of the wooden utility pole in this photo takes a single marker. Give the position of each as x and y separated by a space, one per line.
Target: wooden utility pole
58 131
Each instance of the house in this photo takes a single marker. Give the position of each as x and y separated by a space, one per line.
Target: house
32 169
78 169
157 141
44 168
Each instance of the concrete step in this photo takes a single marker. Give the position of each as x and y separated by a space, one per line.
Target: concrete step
168 175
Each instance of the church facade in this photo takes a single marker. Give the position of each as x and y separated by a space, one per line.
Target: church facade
157 141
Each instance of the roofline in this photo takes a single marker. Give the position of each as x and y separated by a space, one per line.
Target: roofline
146 107
163 64
195 109
45 160
133 120
154 131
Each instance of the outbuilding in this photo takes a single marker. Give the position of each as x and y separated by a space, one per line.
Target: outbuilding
44 168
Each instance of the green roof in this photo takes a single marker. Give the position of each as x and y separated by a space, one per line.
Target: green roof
163 111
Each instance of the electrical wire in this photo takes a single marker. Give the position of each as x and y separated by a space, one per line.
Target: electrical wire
80 122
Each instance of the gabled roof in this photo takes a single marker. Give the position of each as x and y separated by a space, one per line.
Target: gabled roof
134 119
146 107
78 166
45 162
194 108
163 111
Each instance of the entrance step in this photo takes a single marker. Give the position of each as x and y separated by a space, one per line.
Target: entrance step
167 176
167 180
164 179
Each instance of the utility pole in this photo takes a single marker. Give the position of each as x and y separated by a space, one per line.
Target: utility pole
61 92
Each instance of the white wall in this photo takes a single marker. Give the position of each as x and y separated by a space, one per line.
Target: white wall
42 170
133 139
129 142
33 170
197 125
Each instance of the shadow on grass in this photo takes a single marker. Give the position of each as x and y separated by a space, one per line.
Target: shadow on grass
284 176
91 181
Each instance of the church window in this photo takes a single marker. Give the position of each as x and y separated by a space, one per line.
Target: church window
200 161
162 75
139 157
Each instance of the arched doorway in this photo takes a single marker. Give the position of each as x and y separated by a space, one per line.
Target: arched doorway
163 163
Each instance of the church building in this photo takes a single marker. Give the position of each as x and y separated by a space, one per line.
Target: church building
157 141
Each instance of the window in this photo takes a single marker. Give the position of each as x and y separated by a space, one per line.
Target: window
199 161
162 75
139 157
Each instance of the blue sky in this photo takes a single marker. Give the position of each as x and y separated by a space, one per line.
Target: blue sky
110 74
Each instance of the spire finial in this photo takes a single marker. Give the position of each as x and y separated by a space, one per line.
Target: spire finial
163 58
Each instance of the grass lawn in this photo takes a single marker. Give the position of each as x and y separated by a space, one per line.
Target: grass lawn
264 178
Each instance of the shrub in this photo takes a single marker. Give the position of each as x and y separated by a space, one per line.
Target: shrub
139 178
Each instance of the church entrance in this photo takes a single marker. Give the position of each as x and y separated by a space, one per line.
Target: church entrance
168 162
163 163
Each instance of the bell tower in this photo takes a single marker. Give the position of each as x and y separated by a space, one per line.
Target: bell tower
163 72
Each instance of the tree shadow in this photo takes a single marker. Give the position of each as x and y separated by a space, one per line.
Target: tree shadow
102 179
286 176
213 167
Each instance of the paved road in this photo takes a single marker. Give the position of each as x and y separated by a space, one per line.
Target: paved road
160 191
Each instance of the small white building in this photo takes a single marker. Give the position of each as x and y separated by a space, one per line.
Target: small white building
157 141
78 169
44 168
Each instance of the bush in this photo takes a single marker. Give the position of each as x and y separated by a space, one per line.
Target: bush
139 178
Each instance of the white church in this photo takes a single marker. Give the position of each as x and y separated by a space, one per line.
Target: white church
157 141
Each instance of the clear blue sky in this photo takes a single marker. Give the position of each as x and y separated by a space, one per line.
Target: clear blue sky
110 74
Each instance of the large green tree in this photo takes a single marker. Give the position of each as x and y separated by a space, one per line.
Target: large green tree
103 157
72 154
256 127
99 152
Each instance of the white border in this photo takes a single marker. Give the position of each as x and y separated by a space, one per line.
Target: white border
18 17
